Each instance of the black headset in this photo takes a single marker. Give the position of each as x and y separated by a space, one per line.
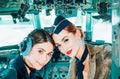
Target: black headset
25 46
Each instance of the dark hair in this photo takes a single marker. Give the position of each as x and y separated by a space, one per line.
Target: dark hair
40 36
72 28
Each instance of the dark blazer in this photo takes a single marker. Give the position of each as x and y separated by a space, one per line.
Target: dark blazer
19 65
99 62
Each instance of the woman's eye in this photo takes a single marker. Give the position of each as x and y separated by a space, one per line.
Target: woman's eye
50 54
66 40
40 51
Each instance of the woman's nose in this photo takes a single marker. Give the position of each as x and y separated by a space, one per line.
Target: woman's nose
44 58
64 47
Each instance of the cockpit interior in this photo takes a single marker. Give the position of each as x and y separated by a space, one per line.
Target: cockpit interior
99 19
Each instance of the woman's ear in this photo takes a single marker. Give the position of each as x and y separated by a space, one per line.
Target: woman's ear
78 33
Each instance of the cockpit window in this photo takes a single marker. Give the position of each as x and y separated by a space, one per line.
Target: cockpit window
13 33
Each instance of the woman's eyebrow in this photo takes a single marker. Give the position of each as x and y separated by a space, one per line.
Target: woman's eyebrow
41 49
63 38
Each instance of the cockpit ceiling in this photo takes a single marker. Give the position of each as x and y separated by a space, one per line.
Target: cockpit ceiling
43 3
12 6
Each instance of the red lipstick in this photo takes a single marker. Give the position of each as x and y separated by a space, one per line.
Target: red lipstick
69 52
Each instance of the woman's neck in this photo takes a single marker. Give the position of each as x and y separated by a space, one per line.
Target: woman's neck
28 70
28 63
80 52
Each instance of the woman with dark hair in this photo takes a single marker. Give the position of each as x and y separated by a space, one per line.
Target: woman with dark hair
87 61
35 52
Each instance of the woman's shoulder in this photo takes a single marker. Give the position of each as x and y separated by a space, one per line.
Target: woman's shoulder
16 63
99 48
102 56
102 53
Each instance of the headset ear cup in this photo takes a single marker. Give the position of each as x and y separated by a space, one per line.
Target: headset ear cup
26 46
23 45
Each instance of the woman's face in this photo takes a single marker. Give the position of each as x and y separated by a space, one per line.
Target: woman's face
67 43
40 54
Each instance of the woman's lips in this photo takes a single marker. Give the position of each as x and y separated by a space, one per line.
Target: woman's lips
69 52
41 64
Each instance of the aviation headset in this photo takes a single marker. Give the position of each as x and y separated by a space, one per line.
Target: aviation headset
25 46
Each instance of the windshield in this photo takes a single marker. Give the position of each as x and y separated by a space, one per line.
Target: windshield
11 33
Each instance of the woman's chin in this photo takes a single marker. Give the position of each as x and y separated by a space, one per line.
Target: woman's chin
38 68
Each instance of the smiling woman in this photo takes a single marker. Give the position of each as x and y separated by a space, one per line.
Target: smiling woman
88 61
36 51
